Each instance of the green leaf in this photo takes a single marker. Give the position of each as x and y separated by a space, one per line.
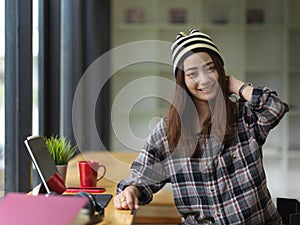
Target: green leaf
60 149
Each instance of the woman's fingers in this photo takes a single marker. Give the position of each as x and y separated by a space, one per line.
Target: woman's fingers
131 200
120 201
126 200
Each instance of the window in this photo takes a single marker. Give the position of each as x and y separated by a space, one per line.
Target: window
35 52
2 118
18 93
37 58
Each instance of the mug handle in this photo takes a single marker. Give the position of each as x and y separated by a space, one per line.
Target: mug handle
104 172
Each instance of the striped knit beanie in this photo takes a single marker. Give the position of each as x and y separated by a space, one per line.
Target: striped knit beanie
185 45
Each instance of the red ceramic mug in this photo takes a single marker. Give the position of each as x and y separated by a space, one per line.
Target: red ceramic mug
88 173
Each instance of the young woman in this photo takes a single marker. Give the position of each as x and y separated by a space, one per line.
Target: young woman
209 145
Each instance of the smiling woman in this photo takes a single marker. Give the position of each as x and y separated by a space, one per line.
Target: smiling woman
208 145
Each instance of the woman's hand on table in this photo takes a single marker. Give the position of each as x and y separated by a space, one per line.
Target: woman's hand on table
127 199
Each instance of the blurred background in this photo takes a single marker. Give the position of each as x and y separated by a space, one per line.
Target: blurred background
259 41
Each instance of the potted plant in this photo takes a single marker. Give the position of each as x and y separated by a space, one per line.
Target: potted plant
61 151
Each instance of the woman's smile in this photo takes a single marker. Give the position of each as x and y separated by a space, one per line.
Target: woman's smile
206 89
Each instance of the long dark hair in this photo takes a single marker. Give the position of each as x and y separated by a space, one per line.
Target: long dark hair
181 113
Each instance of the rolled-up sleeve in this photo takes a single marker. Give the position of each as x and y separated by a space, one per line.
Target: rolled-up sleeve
265 110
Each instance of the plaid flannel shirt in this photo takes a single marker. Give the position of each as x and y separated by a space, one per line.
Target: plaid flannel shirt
224 185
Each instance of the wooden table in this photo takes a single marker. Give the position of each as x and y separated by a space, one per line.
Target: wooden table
112 215
118 167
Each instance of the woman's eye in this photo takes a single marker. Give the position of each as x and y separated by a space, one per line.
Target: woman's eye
192 75
210 69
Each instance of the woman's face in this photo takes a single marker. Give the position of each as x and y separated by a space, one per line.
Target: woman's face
201 76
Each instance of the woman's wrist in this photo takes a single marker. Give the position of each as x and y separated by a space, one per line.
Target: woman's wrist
134 190
238 87
242 90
